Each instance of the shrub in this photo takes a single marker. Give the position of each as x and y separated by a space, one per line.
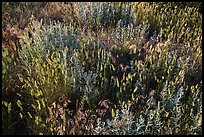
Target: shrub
104 72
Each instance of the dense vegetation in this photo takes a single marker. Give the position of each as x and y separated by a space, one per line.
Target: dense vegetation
125 68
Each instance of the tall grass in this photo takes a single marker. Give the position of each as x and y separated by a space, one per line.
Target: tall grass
115 68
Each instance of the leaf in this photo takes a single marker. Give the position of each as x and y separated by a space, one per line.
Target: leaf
120 102
86 54
199 121
9 108
29 115
133 98
20 77
35 83
134 51
129 102
113 113
5 103
129 76
33 106
167 114
193 104
43 103
49 61
101 67
52 72
113 67
117 95
117 81
155 77
19 104
9 60
19 94
93 54
14 63
31 92
121 90
135 89
37 120
103 55
39 105
40 92
21 116
99 53
54 104
87 89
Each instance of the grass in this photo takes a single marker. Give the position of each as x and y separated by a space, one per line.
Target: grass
102 68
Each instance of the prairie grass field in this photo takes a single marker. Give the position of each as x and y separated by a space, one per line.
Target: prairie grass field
102 68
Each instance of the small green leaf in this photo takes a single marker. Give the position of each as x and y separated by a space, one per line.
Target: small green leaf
5 103
9 108
20 77
117 95
193 104
35 83
39 105
29 115
14 63
134 51
52 72
117 81
19 104
101 67
9 60
155 77
21 116
129 76
120 102
93 54
87 89
33 106
37 120
19 94
133 96
113 113
31 92
43 103
86 54
167 114
113 67
135 89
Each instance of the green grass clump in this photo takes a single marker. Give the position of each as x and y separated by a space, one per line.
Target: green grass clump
110 68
